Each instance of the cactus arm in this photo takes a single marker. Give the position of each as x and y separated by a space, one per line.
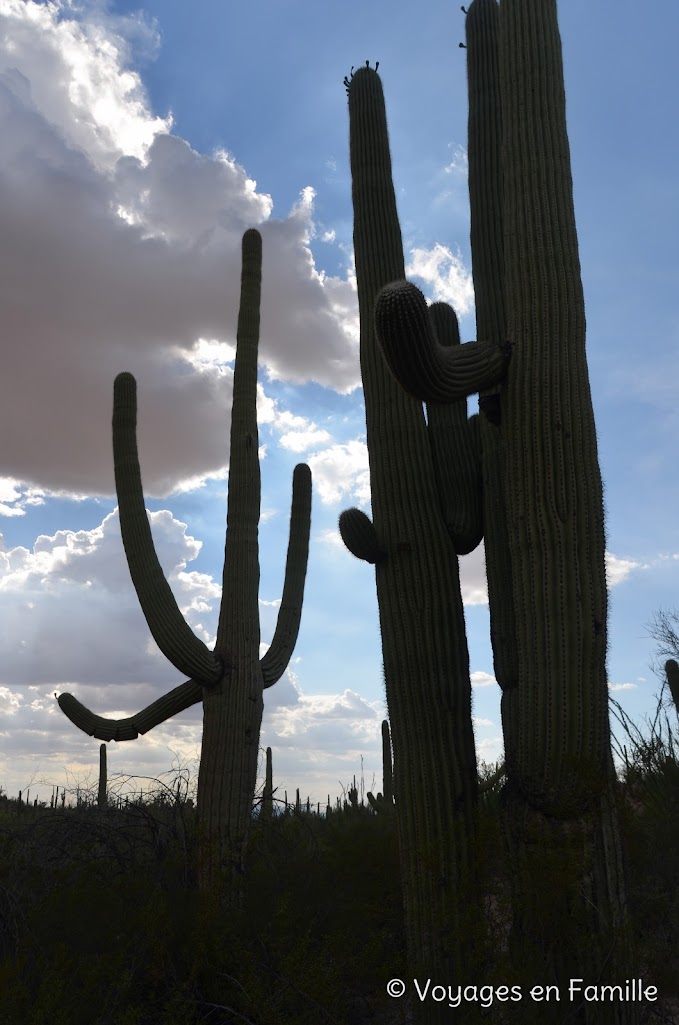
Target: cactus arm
486 197
177 700
455 442
425 368
239 612
170 631
360 537
275 660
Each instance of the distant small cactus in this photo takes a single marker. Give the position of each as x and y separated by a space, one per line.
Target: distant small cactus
672 672
267 796
384 803
101 796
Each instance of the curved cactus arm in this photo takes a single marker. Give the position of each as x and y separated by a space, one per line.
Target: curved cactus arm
170 631
426 369
181 697
455 442
274 662
360 537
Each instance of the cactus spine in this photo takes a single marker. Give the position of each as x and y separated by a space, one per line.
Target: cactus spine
426 662
231 679
543 503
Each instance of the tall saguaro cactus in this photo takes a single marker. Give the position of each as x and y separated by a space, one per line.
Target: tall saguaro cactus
412 542
231 679
543 503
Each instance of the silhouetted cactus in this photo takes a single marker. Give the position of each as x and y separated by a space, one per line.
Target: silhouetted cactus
231 679
101 796
267 797
384 802
416 531
358 534
672 673
543 506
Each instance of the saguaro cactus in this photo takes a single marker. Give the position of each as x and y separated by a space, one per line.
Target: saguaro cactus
672 673
102 799
547 585
412 542
384 801
267 796
229 680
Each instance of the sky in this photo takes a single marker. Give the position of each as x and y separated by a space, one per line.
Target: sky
137 144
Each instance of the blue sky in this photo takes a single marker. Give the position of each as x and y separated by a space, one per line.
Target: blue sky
136 146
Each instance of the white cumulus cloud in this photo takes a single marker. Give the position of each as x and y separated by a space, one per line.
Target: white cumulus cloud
120 250
445 274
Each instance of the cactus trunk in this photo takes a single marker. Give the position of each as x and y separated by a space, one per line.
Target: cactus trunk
543 507
232 712
546 546
426 662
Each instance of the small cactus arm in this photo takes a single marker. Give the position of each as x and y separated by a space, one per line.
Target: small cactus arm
229 680
359 535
